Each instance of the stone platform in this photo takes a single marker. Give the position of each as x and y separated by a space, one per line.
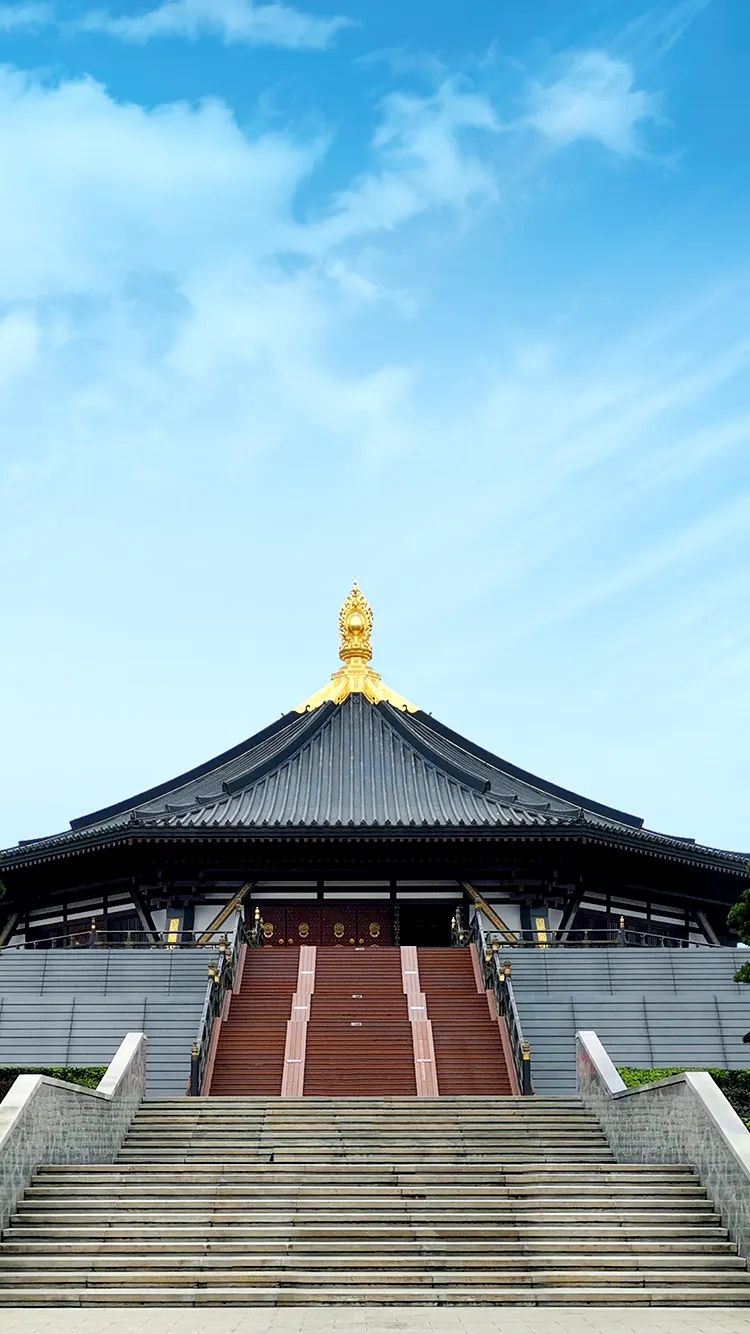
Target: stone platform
378 1320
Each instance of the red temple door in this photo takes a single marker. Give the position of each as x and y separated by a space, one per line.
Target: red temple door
274 923
339 924
303 924
374 924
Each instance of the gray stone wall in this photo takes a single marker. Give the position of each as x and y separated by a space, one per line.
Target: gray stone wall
685 1119
44 1120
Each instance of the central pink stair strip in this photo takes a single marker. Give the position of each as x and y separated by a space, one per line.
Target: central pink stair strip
425 1067
293 1078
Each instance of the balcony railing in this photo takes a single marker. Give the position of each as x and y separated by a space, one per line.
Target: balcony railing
585 938
95 937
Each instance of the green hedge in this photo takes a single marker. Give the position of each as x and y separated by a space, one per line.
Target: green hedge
88 1075
734 1084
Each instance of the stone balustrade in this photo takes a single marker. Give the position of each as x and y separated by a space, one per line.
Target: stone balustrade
44 1120
682 1119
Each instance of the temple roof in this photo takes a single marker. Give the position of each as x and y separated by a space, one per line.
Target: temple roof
358 765
357 757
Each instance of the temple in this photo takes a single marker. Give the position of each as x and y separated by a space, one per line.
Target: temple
358 819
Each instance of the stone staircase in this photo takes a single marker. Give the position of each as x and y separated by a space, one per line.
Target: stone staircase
269 1201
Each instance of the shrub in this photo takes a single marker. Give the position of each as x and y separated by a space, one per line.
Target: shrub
88 1075
734 1084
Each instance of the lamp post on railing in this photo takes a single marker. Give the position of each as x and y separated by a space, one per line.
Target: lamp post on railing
195 1070
256 936
526 1089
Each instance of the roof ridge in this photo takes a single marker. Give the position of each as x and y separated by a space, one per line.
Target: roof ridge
312 723
523 775
397 722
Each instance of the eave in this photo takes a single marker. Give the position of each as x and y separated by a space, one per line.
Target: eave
642 845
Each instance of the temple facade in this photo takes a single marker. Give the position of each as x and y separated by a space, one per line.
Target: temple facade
357 819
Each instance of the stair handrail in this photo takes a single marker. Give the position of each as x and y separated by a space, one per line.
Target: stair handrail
461 935
497 979
254 936
221 975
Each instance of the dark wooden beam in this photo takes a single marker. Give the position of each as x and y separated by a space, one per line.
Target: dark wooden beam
8 924
144 913
569 915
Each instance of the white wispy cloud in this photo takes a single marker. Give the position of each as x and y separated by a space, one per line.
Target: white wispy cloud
25 17
658 30
230 20
594 97
428 156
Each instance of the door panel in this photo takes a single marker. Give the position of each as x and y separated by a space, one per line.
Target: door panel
374 924
339 925
362 924
303 924
274 923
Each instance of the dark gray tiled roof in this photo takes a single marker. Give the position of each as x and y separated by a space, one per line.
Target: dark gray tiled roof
358 766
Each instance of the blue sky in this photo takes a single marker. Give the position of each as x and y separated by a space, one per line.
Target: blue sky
449 299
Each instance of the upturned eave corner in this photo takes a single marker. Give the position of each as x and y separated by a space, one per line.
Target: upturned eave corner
355 650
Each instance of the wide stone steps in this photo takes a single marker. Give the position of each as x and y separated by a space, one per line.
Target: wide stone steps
364 1222
649 1249
527 1292
210 1179
228 1196
639 1226
177 1275
246 1202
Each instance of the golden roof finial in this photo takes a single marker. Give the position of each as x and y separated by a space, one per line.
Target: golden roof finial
355 624
355 651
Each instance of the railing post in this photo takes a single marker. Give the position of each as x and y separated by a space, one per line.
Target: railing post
256 935
195 1057
525 1070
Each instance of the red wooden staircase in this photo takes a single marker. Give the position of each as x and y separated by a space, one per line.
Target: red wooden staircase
468 1049
250 1052
359 1039
377 1022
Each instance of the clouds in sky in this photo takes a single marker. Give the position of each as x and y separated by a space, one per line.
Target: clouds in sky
230 20
25 17
97 190
594 97
234 356
241 21
428 152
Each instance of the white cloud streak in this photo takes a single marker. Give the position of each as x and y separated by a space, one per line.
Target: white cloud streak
429 155
240 21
